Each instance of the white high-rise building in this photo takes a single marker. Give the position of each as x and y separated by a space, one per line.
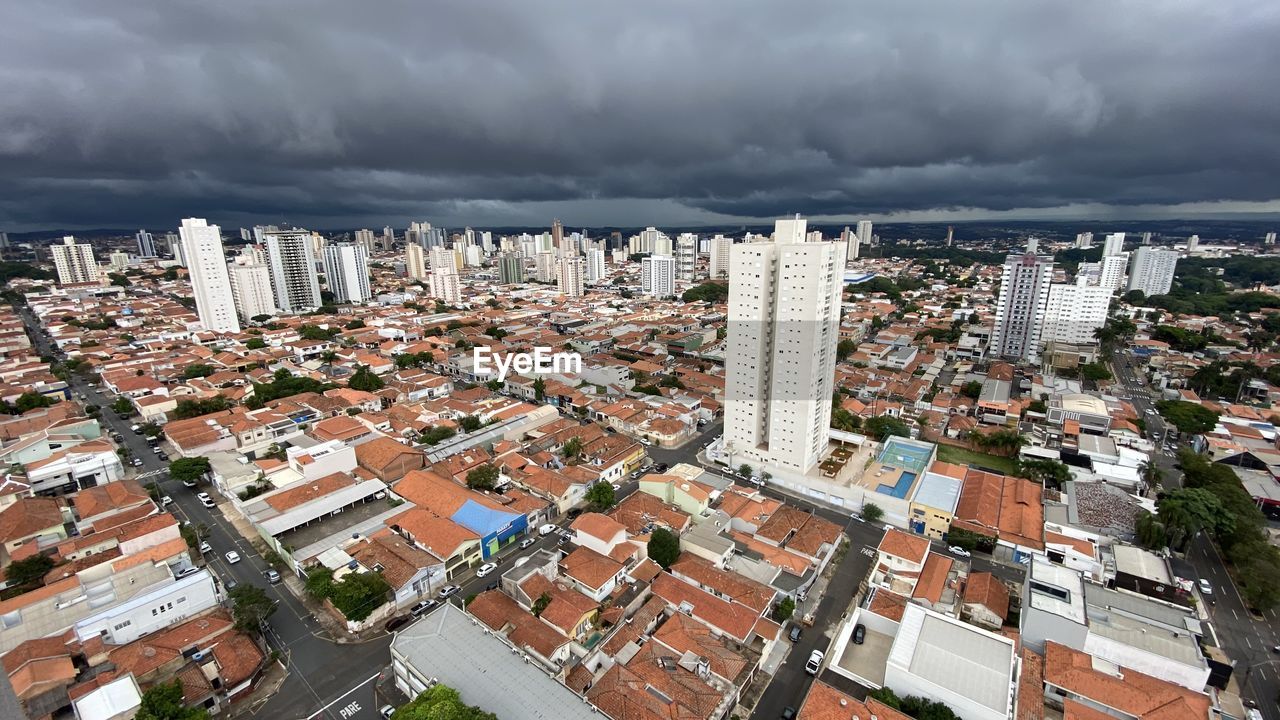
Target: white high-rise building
1113 269
291 256
366 239
146 244
415 261
346 270
651 240
853 244
1269 239
570 275
1113 245
784 314
486 241
444 285
1193 242
1033 245
1153 270
595 265
719 266
686 256
251 288
442 258
662 245
864 235
1024 294
1074 312
74 262
544 267
1084 241
210 281
658 276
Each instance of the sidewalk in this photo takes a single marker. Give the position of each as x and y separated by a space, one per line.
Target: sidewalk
272 678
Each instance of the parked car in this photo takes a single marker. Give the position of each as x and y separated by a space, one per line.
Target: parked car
233 557
794 633
661 467
386 711
136 462
423 607
546 529
229 584
957 550
859 633
205 548
166 500
485 569
1205 587
272 576
207 501
163 455
396 623
189 483
788 713
527 542
815 662
185 572
448 591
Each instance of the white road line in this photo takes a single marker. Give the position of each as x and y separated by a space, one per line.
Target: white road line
1246 642
344 695
1234 614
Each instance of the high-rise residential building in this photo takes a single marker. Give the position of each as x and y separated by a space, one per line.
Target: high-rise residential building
1113 245
251 288
1146 238
658 276
544 266
1084 241
649 241
558 241
291 256
1112 272
415 261
388 240
662 245
174 247
486 241
1024 294
864 234
442 258
365 238
686 256
570 276
74 262
719 265
210 281
346 270
146 244
118 261
444 285
510 268
1074 312
472 256
950 235
4 241
595 265
1152 271
783 322
1193 242
1033 245
1269 239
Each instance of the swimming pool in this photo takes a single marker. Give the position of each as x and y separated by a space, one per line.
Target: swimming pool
900 488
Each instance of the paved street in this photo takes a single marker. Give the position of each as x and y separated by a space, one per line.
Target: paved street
1143 399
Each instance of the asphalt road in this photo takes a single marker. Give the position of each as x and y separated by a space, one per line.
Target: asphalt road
1144 398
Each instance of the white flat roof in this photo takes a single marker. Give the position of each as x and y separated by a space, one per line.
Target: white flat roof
959 657
115 699
1056 589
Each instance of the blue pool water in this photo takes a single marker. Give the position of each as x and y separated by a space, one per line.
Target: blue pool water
898 490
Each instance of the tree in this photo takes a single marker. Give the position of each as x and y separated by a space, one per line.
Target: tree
357 595
28 570
601 495
884 426
1186 511
365 379
871 512
971 389
441 702
195 408
1095 372
315 332
664 547
119 279
1188 417
1135 297
844 349
470 423
540 604
539 389
122 406
745 470
189 469
198 370
356 324
255 344
1050 473
495 332
711 292
164 702
250 607
435 434
571 449
484 477
783 610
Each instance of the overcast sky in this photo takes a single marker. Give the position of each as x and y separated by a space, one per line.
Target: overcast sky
510 112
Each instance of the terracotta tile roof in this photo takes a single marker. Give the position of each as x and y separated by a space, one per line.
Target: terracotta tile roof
778 557
495 609
302 493
590 567
933 578
1129 691
628 692
897 543
733 619
888 605
641 509
443 537
813 535
152 651
827 703
683 635
156 553
986 589
733 586
239 657
1031 687
378 453
399 560
646 571
28 516
601 527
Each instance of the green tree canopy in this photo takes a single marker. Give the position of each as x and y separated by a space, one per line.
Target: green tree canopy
441 702
664 547
189 468
250 607
883 426
164 702
484 477
600 495
871 512
365 379
1188 417
28 570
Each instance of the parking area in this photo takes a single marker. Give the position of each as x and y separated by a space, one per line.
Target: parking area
866 661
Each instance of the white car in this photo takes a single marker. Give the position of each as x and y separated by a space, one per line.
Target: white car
166 500
233 557
527 542
957 550
815 662
1205 587
205 548
485 569
547 529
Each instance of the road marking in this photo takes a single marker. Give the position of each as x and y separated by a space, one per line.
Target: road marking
341 697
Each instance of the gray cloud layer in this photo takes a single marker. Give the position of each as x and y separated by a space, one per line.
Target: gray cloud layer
334 113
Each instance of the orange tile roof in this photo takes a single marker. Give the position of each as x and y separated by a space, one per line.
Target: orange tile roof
1031 687
933 578
911 548
1129 691
443 537
289 498
888 605
986 589
27 516
590 567
601 527
733 586
827 703
733 619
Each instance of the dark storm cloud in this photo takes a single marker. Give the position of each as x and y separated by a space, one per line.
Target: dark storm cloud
333 113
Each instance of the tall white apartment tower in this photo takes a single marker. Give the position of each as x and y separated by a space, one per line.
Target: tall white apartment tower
292 259
570 275
251 288
1024 295
719 266
658 276
1113 245
1193 242
210 282
686 255
1074 312
1084 241
346 269
1153 270
784 312
864 235
1269 239
415 261
1112 271
595 265
366 238
146 244
74 262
